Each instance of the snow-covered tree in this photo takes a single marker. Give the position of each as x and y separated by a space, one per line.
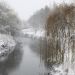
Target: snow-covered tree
9 21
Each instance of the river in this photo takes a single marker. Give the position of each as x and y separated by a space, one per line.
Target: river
30 58
25 60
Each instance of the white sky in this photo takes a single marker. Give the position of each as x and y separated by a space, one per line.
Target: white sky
26 8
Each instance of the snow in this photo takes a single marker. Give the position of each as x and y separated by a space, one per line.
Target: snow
33 33
7 44
7 39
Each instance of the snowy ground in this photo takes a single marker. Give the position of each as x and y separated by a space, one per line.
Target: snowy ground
35 34
7 45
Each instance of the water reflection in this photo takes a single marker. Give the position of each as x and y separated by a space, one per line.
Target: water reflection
53 57
39 47
12 62
59 57
31 59
37 57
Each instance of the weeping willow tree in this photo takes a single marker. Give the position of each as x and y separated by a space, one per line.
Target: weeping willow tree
60 34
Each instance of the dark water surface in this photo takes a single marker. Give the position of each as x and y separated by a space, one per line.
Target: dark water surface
38 57
25 60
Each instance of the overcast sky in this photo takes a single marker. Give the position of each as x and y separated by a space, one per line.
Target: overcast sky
26 8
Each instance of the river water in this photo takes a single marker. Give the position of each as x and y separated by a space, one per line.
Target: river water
30 58
25 60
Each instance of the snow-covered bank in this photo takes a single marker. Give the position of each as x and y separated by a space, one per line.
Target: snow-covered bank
33 33
7 44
